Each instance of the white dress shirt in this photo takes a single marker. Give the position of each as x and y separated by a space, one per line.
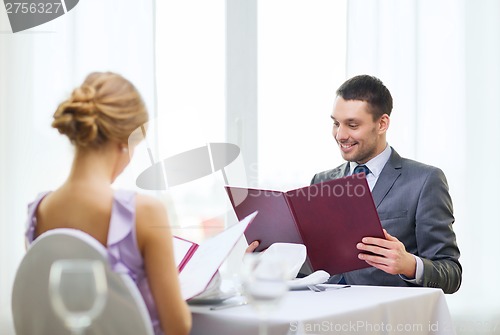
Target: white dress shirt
376 164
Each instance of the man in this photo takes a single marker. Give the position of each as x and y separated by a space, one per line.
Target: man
412 199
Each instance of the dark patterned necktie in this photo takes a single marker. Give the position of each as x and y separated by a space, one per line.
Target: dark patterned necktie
361 168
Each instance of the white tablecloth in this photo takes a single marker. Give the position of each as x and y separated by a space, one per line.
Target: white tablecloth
353 310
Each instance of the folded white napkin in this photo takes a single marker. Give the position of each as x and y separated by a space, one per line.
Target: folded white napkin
317 277
292 254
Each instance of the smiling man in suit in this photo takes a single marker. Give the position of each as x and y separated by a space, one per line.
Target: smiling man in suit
412 198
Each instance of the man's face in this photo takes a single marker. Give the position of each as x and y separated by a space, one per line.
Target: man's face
360 138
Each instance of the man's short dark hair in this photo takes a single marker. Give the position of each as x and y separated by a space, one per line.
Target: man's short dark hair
370 89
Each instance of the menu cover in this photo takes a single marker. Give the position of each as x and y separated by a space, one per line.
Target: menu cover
329 218
183 251
199 264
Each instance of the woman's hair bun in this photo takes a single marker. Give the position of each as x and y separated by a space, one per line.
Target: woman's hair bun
106 106
76 117
84 93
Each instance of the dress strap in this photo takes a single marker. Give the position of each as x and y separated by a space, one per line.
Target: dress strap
31 220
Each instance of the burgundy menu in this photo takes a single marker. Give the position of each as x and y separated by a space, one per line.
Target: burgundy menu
329 218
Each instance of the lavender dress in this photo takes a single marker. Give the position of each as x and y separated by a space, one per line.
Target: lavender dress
123 251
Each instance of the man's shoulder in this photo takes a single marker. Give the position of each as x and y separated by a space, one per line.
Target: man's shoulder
415 168
417 165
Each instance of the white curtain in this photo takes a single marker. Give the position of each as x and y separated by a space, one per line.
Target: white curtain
441 61
38 69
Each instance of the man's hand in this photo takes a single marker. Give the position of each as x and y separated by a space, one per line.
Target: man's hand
252 246
390 255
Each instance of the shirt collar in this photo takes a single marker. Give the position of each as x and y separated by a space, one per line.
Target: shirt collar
377 163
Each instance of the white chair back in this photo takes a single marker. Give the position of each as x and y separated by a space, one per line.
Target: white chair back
124 313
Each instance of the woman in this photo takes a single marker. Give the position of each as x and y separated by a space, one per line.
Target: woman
98 119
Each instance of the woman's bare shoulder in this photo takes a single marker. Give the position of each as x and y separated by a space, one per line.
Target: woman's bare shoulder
151 221
149 206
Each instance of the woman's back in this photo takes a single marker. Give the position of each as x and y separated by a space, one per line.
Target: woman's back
81 207
121 240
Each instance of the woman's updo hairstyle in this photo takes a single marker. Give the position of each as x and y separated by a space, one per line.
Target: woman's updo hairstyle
105 107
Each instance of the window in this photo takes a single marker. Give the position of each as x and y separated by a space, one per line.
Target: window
301 62
190 62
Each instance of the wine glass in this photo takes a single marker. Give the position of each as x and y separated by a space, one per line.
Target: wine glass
78 292
264 284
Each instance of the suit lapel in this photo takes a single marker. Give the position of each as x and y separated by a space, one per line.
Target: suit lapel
387 178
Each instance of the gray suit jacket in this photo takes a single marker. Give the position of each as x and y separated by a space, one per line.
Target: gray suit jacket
414 205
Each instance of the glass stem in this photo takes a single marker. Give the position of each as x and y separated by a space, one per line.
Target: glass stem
78 331
263 325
